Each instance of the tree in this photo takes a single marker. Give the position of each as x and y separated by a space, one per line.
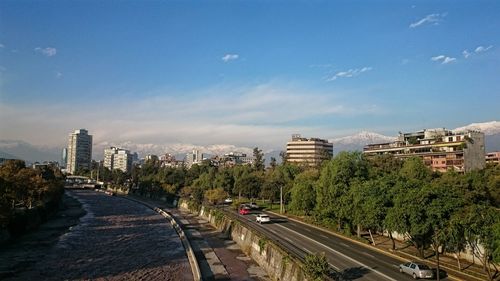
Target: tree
303 193
258 156
225 180
316 266
333 198
249 185
273 163
215 195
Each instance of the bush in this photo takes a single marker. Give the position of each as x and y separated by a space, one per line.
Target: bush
316 266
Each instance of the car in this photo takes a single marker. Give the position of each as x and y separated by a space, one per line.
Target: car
253 205
244 211
228 201
262 218
416 270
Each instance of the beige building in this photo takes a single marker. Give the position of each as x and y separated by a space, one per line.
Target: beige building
440 149
308 151
118 158
493 157
79 152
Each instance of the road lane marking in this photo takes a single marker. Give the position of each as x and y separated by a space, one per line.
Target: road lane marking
366 254
324 236
339 253
344 244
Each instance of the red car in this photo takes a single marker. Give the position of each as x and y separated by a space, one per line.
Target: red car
244 211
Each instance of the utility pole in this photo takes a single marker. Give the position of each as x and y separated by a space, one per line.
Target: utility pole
281 199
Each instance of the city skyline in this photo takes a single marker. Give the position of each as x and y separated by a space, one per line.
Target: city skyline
242 73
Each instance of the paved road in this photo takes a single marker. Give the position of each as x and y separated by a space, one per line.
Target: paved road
353 261
116 240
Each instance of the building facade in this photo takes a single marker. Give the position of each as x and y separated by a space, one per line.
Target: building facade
440 149
308 151
493 158
118 158
195 157
79 152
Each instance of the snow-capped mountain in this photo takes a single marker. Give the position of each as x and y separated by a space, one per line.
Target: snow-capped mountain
358 141
488 128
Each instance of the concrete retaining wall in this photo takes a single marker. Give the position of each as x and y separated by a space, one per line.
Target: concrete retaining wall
278 264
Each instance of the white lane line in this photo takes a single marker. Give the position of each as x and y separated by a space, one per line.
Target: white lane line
306 250
366 254
344 244
324 236
339 253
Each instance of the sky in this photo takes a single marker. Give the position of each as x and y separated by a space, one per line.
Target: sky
244 73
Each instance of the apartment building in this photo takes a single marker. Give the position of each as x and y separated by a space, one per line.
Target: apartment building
440 149
493 157
79 152
118 158
195 157
308 151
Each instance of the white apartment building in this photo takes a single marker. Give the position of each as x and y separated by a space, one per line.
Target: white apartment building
440 149
79 152
118 158
308 151
195 157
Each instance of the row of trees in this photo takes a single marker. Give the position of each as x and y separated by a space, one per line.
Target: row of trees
445 212
23 190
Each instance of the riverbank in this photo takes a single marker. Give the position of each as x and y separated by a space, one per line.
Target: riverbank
19 254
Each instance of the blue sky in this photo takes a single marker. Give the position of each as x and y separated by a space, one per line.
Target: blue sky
248 73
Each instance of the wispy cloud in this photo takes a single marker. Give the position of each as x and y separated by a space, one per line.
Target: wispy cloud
466 54
58 75
481 49
263 115
349 73
443 59
49 51
2 45
433 19
230 57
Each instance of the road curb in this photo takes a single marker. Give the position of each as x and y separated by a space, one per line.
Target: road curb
377 249
195 268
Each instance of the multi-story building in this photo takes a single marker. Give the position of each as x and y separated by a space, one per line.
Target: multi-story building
195 157
79 153
493 157
118 158
64 157
440 149
235 158
308 151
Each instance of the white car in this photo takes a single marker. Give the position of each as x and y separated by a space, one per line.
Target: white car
253 205
416 270
228 201
262 218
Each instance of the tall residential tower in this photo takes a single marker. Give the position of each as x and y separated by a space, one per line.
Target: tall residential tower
79 151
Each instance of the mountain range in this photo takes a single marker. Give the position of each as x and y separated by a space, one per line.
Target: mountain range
32 153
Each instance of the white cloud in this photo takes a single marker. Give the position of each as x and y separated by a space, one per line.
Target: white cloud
349 73
49 51
481 49
466 54
262 115
59 75
434 19
230 57
443 59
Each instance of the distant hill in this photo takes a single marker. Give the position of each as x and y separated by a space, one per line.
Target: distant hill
28 152
357 141
7 155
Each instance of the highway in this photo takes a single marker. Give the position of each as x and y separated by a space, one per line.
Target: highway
351 260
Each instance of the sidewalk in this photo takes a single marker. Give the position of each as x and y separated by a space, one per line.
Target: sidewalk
219 258
408 252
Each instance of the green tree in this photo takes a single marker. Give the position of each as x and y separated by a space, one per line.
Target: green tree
303 193
316 266
258 161
216 195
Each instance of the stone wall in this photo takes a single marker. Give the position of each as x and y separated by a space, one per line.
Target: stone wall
278 264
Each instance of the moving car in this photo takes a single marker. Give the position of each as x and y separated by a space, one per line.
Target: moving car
262 218
416 270
228 201
244 211
253 205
